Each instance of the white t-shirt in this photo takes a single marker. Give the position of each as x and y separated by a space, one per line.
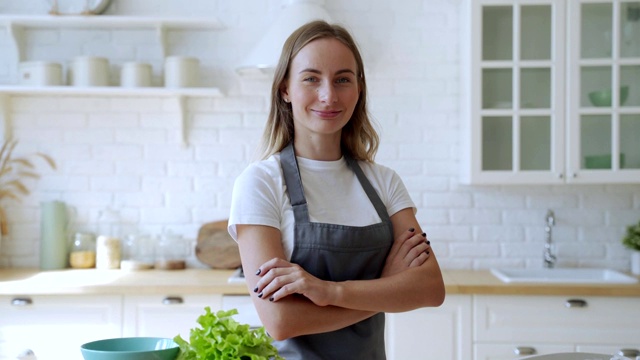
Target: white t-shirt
334 195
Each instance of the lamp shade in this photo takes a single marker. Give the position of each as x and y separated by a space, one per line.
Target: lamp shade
263 59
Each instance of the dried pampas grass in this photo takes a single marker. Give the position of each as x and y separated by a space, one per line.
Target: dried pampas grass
13 172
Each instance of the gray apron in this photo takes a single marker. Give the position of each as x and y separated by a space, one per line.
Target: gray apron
337 253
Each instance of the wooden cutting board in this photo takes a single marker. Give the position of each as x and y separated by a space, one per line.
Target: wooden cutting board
216 248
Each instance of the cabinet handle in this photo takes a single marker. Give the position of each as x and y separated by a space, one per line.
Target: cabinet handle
524 350
629 352
21 301
575 303
172 300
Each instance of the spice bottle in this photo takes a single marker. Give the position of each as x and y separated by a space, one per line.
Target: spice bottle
83 251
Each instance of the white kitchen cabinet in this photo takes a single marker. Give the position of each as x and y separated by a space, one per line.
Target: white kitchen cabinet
165 315
55 326
431 333
546 324
516 350
527 113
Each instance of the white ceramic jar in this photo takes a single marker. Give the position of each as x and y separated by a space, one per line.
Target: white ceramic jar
181 71
135 74
40 73
89 71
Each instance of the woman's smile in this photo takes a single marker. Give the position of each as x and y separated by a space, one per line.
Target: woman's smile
327 114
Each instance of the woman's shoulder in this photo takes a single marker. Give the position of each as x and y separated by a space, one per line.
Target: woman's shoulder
269 167
377 169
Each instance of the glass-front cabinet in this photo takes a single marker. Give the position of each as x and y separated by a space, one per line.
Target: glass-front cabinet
540 106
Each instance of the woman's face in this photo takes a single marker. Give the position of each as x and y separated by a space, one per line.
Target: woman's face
322 87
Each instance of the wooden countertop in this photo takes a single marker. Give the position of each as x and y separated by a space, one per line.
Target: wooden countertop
205 281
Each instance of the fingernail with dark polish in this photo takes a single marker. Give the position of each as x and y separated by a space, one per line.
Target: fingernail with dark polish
271 299
255 289
427 253
258 272
412 229
428 242
260 295
424 234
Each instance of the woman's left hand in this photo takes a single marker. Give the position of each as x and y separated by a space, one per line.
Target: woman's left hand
281 278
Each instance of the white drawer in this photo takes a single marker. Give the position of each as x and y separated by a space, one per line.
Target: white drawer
556 319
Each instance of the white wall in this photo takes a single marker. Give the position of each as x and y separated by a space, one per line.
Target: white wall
125 152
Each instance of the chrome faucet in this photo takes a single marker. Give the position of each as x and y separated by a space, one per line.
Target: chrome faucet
548 256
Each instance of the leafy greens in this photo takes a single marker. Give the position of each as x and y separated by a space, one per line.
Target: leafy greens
222 337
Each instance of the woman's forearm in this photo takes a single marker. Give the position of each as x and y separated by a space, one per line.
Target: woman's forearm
411 289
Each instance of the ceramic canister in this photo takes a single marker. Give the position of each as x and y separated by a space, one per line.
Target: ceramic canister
54 230
181 71
89 71
40 73
136 74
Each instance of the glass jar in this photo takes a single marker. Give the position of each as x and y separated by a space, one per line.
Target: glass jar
83 251
137 252
107 252
171 252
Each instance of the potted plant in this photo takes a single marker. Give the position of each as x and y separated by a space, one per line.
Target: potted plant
632 241
13 172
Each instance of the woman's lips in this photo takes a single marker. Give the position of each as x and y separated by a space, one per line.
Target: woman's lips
327 114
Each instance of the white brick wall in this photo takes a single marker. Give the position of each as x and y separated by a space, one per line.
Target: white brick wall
125 152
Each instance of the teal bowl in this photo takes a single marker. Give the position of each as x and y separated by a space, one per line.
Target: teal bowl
603 97
131 348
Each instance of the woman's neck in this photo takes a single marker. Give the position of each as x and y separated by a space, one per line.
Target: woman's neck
322 149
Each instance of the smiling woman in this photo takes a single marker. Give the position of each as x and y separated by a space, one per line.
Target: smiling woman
322 229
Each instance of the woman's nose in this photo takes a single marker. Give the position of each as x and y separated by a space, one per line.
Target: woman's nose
327 93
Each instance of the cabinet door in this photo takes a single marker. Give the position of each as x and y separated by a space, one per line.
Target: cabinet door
55 327
604 92
630 350
431 333
548 319
516 121
165 316
513 351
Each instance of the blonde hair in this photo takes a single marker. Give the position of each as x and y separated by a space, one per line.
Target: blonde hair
359 137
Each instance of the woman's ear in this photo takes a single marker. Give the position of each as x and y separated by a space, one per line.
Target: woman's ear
284 93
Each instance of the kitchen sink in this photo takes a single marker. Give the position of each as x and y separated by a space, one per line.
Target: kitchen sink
563 275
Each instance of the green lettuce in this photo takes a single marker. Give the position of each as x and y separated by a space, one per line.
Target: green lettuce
222 337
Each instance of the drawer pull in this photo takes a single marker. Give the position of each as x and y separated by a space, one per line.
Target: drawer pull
524 350
21 301
575 303
172 300
629 352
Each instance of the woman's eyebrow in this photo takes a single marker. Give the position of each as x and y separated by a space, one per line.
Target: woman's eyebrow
315 71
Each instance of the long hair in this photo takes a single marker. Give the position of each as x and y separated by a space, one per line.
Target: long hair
359 138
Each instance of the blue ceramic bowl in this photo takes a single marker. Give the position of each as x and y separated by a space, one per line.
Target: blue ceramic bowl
131 348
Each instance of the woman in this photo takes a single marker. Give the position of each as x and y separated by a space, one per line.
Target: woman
316 218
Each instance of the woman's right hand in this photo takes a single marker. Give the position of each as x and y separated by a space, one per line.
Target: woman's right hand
410 249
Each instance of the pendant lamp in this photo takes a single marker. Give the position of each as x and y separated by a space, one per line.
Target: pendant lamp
263 59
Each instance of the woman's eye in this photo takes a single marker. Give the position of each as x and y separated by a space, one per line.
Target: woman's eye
343 80
310 79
